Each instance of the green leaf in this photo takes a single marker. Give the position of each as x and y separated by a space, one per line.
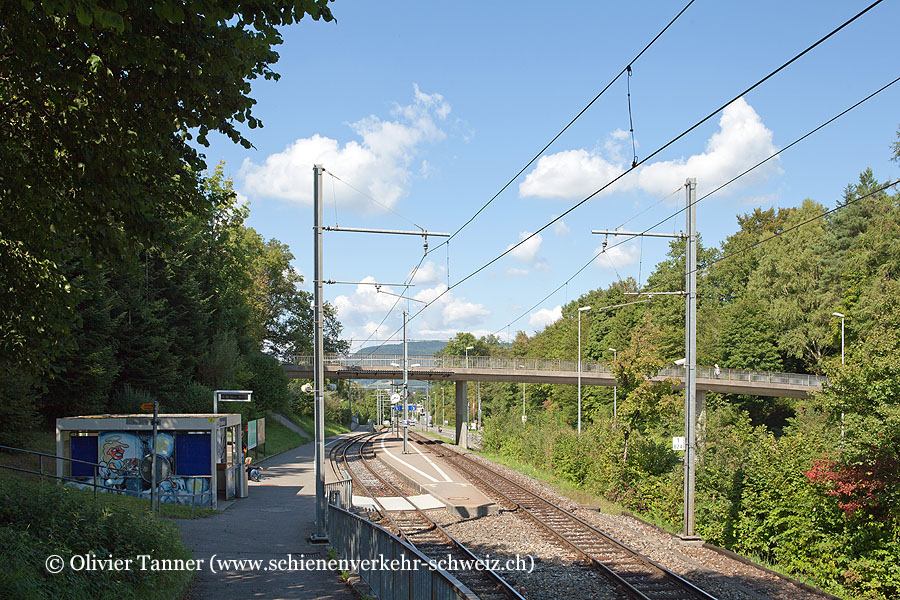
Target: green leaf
83 15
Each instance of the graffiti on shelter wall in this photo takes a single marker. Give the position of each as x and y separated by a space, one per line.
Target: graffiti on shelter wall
120 454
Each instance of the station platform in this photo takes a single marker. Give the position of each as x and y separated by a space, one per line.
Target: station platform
427 473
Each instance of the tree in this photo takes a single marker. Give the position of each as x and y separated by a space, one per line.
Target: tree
456 346
99 104
643 403
791 279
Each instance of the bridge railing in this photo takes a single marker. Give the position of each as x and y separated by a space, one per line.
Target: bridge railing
513 363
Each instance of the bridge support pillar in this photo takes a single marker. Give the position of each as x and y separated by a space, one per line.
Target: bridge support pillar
462 411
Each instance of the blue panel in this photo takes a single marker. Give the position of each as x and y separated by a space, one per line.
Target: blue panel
192 454
84 448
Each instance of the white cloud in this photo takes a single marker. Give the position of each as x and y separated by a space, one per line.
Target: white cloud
516 272
618 256
429 273
462 312
741 141
545 316
527 252
561 229
447 310
569 174
363 301
378 164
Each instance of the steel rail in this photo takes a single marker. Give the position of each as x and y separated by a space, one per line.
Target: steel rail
498 584
467 465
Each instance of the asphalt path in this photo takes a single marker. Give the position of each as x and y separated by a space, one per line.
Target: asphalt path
265 531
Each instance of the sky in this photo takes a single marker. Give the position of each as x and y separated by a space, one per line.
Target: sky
421 112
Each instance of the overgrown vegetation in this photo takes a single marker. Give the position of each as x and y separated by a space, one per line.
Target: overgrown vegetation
810 486
37 521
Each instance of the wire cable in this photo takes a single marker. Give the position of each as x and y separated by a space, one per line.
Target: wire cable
631 122
717 189
658 150
391 310
768 158
778 234
365 195
569 124
650 156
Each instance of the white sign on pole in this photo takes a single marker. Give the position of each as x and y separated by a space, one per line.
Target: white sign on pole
678 443
395 398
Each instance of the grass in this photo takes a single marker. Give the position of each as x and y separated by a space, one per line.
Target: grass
278 439
307 425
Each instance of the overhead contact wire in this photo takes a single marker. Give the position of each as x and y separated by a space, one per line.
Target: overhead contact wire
569 124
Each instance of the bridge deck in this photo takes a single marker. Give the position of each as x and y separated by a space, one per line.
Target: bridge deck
531 370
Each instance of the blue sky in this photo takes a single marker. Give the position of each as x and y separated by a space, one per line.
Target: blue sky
429 108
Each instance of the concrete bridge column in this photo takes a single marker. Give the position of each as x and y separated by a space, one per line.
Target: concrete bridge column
462 411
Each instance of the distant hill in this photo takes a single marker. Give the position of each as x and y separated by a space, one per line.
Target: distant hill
425 348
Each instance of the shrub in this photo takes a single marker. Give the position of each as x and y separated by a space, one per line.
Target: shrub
37 521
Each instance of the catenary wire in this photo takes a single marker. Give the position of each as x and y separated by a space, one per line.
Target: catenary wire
644 160
778 234
767 159
653 154
564 129
707 195
365 195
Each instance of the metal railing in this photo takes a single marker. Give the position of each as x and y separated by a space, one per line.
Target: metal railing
344 490
512 363
92 481
392 568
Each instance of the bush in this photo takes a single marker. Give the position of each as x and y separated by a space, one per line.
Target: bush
128 400
37 521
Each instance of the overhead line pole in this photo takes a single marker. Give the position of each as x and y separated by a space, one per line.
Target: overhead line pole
320 536
690 344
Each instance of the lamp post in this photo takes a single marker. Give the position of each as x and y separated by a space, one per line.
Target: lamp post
615 387
580 310
841 315
467 354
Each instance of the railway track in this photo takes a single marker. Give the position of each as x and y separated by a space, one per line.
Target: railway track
355 458
634 574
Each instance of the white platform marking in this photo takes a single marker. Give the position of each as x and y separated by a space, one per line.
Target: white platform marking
436 468
403 462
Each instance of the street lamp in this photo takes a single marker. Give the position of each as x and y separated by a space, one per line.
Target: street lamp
841 315
580 310
467 354
615 387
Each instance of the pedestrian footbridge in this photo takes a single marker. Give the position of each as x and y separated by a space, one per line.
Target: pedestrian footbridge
547 370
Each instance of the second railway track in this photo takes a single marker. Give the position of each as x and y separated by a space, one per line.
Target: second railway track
636 575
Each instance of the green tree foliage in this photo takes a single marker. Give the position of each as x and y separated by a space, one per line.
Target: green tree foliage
99 103
176 320
775 478
643 403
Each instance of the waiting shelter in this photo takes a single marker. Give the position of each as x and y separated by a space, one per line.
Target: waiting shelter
198 455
